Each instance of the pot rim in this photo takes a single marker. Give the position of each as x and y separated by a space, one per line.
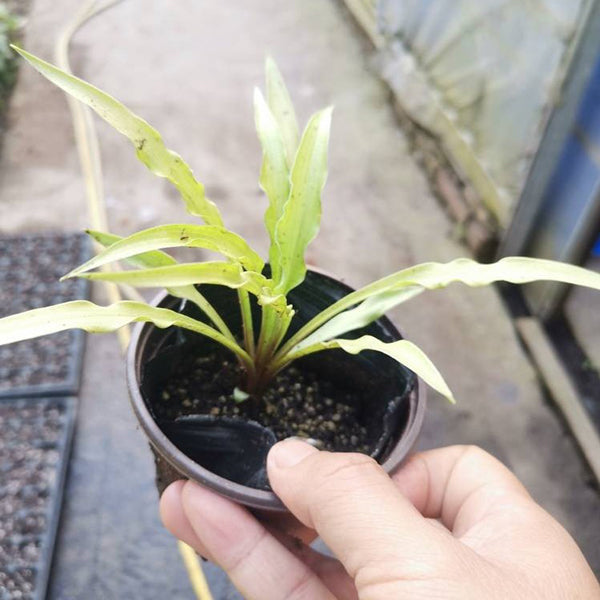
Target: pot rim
255 498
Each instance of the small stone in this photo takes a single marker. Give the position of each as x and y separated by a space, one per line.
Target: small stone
354 440
215 410
336 417
328 402
187 403
166 395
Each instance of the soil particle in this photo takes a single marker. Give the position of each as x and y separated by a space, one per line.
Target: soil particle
296 403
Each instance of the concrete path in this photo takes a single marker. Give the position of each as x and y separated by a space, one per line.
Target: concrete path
188 67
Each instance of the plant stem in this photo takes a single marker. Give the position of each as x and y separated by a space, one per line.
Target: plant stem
267 325
207 308
274 326
247 324
283 361
208 331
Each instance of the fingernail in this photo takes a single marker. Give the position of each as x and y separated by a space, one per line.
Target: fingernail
289 453
318 444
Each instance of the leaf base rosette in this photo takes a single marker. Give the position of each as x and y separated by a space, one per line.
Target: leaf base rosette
228 453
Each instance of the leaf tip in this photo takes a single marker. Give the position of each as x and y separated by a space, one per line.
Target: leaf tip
26 55
270 65
258 95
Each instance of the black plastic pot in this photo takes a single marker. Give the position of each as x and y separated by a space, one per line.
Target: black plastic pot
393 399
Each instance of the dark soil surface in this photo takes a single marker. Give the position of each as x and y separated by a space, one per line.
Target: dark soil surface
295 404
32 435
30 269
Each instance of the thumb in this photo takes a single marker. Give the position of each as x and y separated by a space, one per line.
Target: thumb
357 510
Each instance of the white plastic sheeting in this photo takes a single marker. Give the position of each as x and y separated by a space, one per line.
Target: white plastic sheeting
493 68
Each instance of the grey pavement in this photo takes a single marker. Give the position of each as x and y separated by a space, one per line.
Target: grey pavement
189 67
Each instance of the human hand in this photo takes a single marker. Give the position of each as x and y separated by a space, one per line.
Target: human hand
452 523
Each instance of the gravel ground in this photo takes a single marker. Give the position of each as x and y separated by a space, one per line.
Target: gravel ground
30 269
33 444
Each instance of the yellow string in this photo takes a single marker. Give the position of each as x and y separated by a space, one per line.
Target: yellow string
87 143
91 166
194 570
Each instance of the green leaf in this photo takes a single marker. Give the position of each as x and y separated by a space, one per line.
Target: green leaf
82 314
144 260
403 351
274 173
299 222
361 316
156 258
218 273
172 236
150 148
282 108
514 269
